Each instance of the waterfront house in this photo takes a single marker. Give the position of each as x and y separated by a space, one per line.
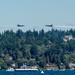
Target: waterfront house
51 67
72 66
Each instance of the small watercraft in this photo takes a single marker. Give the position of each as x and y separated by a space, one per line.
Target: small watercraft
42 72
10 69
24 67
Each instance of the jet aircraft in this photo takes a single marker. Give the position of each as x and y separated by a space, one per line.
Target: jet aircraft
20 25
49 25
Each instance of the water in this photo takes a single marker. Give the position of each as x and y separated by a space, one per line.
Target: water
38 73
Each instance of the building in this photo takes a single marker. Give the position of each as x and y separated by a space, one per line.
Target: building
72 66
51 67
68 37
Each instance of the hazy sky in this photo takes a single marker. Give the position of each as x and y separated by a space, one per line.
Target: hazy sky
37 13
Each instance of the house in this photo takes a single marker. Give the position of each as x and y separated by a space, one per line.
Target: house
32 59
72 66
13 65
68 37
51 67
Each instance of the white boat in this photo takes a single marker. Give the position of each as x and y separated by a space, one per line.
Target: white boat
42 72
27 68
10 69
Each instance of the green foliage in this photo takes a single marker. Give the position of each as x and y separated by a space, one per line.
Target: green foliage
34 51
44 47
3 65
42 64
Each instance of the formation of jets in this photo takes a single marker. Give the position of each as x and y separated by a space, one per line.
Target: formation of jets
45 25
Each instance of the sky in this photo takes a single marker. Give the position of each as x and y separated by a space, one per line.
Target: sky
36 14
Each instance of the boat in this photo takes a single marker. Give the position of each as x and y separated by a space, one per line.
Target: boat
42 72
10 69
26 68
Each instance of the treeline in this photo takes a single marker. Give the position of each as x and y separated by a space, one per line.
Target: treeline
44 47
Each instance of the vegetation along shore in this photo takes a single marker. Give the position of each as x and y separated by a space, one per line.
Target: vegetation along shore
53 49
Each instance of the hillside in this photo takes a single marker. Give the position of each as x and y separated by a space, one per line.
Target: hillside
37 48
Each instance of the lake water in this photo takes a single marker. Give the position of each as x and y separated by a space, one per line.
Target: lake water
38 73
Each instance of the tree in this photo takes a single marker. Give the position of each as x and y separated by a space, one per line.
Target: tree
34 51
